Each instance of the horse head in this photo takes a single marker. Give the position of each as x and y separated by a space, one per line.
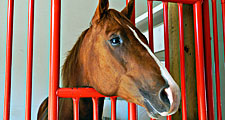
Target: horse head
116 61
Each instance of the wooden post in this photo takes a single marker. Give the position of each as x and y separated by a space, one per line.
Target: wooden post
190 75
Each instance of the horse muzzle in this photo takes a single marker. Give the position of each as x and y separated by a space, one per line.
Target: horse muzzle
163 103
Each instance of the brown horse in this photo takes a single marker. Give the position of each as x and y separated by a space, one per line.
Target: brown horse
112 56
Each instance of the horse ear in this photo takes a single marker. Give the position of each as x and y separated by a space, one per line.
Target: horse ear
128 10
102 7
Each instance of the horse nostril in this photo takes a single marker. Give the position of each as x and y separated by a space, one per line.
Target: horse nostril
164 97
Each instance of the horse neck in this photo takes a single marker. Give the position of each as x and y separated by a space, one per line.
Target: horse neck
72 71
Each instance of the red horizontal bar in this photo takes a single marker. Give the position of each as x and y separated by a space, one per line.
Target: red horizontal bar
78 92
180 1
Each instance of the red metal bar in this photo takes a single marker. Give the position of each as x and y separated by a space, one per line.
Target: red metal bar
76 108
166 39
216 56
132 111
223 17
166 35
95 108
29 59
182 61
6 113
113 108
199 54
208 61
54 59
180 1
132 106
78 92
150 25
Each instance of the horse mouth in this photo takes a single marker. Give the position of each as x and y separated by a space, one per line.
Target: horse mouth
152 112
155 107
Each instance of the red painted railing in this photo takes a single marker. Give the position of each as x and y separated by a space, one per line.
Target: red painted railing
182 62
203 61
29 59
8 64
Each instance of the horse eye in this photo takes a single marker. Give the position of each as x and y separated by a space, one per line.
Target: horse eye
115 41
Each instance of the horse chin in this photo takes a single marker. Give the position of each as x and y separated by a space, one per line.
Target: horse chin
151 110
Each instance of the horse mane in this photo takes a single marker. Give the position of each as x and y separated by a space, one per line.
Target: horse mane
71 61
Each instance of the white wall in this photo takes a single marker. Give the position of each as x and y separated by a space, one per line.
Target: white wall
76 16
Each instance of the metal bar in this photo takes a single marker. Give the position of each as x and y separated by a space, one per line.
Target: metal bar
208 61
223 18
199 54
150 25
6 113
54 59
76 108
166 39
166 35
95 108
180 1
78 92
113 108
182 61
150 28
216 56
29 59
132 111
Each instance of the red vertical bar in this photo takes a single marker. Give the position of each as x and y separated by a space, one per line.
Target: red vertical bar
216 56
29 59
223 17
166 40
208 60
76 108
132 106
199 54
166 35
150 25
113 108
54 59
132 111
182 62
8 64
95 108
